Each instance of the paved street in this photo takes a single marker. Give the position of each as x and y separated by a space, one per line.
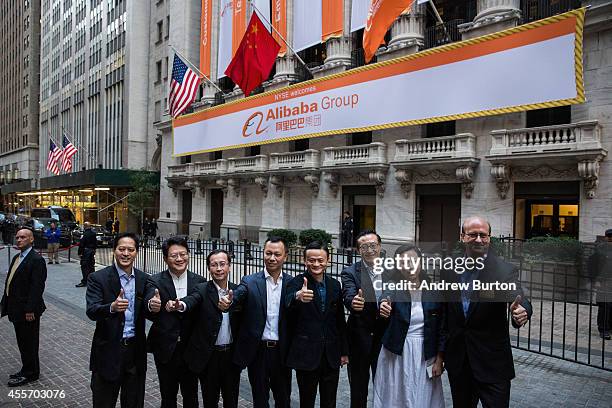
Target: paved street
66 336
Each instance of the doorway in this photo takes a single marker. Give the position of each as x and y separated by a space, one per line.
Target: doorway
438 216
216 212
186 205
360 201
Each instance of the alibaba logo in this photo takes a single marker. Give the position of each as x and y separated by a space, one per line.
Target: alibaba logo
256 120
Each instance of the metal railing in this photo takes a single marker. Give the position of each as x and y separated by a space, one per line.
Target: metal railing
441 34
532 10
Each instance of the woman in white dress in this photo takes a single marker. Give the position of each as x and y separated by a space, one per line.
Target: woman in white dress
411 360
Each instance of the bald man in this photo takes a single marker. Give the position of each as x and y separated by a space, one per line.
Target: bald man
23 303
87 252
477 354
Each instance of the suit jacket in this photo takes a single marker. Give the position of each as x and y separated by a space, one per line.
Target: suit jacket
365 326
314 332
26 289
202 304
251 294
103 287
482 337
168 327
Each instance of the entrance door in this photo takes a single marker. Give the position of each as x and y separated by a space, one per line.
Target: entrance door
186 197
360 201
439 217
216 212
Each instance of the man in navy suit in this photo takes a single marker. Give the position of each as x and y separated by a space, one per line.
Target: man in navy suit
262 341
116 302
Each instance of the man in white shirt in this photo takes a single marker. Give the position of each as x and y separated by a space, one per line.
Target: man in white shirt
263 340
171 329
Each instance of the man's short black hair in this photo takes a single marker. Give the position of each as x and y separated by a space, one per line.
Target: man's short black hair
274 239
180 241
368 232
316 245
216 252
129 235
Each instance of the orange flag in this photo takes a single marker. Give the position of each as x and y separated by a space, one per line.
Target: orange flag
254 58
381 15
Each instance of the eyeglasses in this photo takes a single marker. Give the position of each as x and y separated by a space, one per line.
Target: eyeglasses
176 256
372 246
475 235
218 265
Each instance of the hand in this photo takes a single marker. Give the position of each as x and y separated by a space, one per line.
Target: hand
30 317
438 367
226 301
344 360
120 304
155 302
305 295
174 305
358 301
519 313
385 307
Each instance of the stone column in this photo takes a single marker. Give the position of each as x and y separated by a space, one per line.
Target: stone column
493 15
200 211
407 34
233 213
275 207
327 206
169 203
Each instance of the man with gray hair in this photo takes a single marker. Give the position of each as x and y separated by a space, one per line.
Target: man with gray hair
87 252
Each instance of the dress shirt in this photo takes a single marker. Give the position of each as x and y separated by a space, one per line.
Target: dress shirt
180 284
225 331
467 277
320 287
273 292
375 277
128 283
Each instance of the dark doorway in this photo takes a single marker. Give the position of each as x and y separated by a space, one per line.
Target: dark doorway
216 212
360 201
186 211
438 216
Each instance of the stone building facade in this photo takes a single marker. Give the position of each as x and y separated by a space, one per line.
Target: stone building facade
417 182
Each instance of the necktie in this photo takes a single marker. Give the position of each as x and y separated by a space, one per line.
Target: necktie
13 269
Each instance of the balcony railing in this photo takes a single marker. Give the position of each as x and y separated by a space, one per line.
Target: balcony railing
441 34
538 9
251 164
570 137
307 159
458 146
210 167
373 153
181 170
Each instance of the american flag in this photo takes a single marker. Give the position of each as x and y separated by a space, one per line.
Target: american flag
54 155
69 151
183 87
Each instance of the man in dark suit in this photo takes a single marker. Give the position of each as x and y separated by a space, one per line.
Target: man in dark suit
116 302
263 338
478 356
318 340
365 326
23 302
172 328
211 346
87 251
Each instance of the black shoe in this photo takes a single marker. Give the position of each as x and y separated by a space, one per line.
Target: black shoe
605 335
50 262
80 285
19 381
16 375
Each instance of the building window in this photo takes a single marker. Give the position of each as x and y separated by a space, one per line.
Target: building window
167 69
440 129
360 138
549 116
253 151
299 145
160 31
159 71
218 155
157 112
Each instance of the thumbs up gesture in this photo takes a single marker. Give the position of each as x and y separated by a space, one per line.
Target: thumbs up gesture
155 302
305 295
120 304
385 307
358 302
226 301
519 313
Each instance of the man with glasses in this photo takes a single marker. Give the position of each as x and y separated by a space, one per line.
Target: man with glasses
477 354
210 349
361 294
171 329
116 302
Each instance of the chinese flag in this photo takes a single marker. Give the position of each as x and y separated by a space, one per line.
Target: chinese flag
254 57
381 15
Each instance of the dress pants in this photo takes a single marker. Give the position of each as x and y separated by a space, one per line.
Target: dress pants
268 372
88 263
467 391
604 315
174 374
325 378
364 349
220 376
27 334
131 383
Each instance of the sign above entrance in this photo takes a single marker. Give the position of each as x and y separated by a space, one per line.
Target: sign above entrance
536 65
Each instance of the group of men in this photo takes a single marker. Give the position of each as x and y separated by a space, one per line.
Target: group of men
270 323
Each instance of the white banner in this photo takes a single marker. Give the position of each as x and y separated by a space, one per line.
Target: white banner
307 23
264 10
359 14
477 78
225 37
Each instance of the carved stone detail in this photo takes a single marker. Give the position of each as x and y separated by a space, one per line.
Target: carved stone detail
543 172
234 185
589 172
313 181
277 182
332 180
262 182
223 184
435 175
404 177
465 175
379 177
501 174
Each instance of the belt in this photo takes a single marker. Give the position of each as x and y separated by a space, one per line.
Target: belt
270 343
126 341
223 347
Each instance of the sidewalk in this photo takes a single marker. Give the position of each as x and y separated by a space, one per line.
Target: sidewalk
66 338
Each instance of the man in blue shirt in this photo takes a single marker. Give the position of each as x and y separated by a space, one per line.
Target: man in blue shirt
116 302
53 235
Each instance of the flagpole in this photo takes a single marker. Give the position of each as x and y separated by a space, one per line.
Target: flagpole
437 15
281 37
193 67
79 146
